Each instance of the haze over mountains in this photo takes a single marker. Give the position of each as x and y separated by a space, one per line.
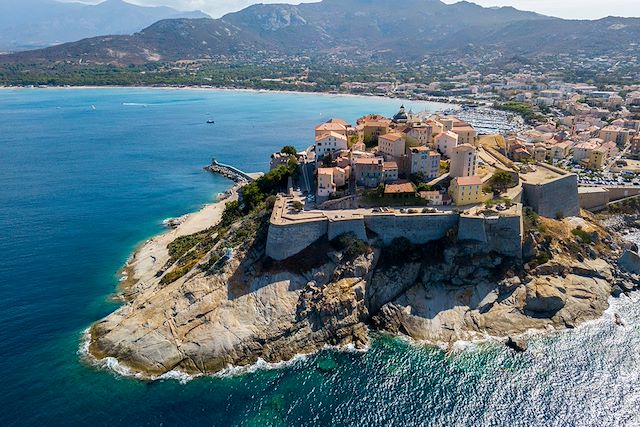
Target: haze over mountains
390 29
29 24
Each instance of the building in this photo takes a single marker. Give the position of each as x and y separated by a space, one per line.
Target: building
616 134
400 190
446 142
401 116
464 161
326 186
635 146
392 143
279 159
466 190
583 151
424 161
466 133
368 171
334 125
419 134
390 171
341 175
372 129
328 143
433 197
560 151
359 146
540 153
598 158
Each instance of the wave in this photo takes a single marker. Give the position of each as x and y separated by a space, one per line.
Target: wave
134 104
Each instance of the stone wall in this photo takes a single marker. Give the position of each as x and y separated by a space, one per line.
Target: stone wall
593 197
344 226
500 234
419 229
284 241
554 197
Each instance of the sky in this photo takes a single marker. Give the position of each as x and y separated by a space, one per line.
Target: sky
571 9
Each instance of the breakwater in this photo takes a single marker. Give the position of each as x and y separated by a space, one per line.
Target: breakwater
229 172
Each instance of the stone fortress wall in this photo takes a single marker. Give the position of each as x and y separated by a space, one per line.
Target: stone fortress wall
501 234
553 198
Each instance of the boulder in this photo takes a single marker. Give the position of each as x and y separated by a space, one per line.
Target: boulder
544 296
517 344
630 262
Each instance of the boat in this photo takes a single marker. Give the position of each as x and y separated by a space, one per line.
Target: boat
210 122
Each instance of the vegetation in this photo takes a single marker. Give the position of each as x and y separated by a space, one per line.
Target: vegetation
500 181
296 205
289 149
584 236
525 110
350 246
256 192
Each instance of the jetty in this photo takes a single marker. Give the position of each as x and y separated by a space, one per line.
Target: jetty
228 171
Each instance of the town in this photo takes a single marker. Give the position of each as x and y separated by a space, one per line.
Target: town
440 171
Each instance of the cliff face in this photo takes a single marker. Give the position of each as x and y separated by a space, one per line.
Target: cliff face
253 307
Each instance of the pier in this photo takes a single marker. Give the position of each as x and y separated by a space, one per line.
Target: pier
228 171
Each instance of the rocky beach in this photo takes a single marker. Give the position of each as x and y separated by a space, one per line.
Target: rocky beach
251 308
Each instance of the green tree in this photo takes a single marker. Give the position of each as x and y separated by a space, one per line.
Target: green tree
289 149
500 181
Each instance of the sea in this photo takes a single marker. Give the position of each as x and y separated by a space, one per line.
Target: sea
86 175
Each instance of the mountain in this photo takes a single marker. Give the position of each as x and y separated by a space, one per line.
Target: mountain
31 24
361 29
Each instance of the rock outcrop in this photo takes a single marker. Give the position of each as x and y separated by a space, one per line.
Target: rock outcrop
254 308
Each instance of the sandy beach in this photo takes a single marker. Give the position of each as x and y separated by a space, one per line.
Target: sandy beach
153 254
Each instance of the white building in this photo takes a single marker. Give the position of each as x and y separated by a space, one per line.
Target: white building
446 142
464 161
326 186
392 143
329 143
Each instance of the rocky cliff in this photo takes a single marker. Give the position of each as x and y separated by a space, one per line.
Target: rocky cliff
235 309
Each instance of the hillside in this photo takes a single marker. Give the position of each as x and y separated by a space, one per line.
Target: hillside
28 24
357 31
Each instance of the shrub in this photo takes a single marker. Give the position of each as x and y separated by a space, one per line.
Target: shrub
297 205
583 235
350 245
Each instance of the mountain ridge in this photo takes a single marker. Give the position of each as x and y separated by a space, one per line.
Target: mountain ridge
363 29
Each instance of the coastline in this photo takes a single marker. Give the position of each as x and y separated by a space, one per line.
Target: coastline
152 254
435 100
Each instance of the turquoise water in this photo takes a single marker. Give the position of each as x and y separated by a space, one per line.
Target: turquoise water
81 187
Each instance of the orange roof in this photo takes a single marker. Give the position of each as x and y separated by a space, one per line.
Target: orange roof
469 180
399 188
328 134
390 165
338 121
368 161
331 127
393 136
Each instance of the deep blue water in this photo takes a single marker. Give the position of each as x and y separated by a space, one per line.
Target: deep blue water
81 187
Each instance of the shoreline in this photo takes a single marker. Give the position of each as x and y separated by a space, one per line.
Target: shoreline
152 254
435 100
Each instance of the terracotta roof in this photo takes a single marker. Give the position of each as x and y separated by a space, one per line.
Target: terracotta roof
331 127
329 134
393 136
368 161
469 180
390 165
399 188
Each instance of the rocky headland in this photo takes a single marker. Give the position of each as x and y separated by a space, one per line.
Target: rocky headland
211 298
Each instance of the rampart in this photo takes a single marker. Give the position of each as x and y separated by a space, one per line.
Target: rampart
501 233
553 198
